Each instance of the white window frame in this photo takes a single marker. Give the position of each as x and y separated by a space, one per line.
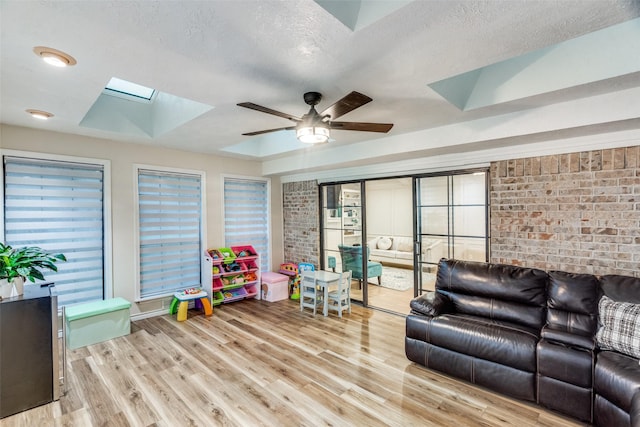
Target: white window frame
106 204
265 259
205 276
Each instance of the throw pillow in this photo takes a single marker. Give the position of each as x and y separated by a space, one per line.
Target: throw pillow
385 243
620 328
404 244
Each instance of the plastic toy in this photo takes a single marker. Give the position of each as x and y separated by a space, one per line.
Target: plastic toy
303 266
180 302
234 266
288 267
294 290
291 269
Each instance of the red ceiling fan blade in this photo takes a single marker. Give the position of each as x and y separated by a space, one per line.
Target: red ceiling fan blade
346 104
365 127
260 132
252 106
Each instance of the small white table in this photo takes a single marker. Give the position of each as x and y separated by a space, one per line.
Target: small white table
324 279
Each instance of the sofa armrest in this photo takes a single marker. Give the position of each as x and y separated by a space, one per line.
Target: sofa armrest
634 413
431 304
571 339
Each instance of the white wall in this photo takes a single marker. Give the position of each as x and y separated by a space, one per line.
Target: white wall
122 157
389 207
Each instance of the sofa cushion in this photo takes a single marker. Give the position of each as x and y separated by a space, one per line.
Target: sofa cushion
620 328
573 302
384 243
617 378
404 244
495 291
500 342
621 288
497 309
379 253
404 255
509 282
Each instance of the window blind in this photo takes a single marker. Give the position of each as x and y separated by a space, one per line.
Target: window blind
246 216
170 231
59 207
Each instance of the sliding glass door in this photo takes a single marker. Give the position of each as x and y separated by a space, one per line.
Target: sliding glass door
342 228
404 226
451 221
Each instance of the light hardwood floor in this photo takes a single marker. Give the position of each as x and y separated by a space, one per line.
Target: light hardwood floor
257 363
385 298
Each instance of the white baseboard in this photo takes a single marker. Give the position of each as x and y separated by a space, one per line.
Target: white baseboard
148 314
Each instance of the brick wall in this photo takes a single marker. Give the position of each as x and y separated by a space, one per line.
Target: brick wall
301 222
577 212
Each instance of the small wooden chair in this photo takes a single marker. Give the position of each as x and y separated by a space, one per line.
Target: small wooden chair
310 295
339 299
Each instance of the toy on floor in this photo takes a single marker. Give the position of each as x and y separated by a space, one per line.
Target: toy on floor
291 269
181 300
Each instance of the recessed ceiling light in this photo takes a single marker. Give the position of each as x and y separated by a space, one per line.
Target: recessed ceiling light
39 114
54 57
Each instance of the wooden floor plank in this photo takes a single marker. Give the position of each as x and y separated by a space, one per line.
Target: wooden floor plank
255 363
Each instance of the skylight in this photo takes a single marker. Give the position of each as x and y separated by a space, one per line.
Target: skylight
120 87
133 109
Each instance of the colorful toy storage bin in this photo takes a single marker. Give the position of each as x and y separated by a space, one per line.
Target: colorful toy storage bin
97 321
227 255
275 286
235 273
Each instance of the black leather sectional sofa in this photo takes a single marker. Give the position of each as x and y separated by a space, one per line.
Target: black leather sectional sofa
534 335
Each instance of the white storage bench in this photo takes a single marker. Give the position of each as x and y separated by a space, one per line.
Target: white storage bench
97 321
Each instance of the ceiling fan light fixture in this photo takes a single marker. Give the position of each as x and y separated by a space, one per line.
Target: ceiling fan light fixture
313 134
54 57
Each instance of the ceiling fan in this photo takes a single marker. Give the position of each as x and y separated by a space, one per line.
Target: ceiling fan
315 128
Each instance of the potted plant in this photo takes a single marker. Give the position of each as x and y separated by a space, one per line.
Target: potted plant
19 264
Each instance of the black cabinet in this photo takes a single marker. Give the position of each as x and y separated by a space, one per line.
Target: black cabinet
29 363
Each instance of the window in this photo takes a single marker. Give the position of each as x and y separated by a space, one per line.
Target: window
170 216
246 215
59 206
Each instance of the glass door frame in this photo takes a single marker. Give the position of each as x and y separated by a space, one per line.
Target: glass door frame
363 231
417 223
417 254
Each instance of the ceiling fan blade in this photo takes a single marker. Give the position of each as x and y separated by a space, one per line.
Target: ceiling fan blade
346 104
262 109
260 132
365 127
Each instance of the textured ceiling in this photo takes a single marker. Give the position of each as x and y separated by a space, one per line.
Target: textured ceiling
220 53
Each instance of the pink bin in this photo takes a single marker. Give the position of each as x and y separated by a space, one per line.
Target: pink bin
275 286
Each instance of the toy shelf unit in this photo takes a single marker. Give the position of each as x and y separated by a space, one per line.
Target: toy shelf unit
351 209
235 274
